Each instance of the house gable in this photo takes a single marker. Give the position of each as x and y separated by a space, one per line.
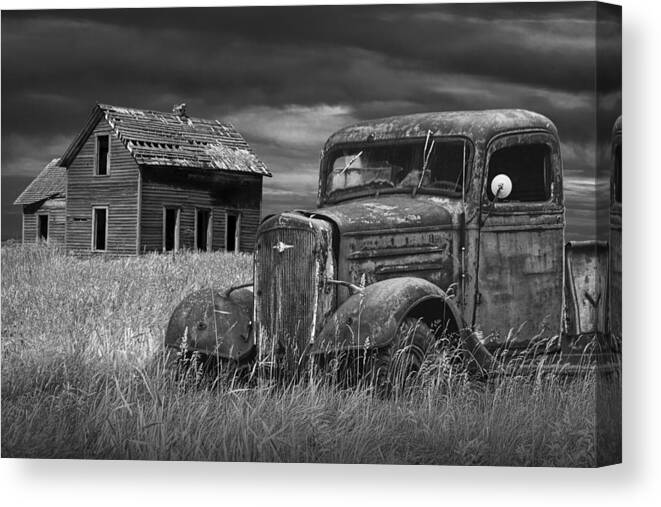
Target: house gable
118 190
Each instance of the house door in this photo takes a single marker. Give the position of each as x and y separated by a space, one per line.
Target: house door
202 229
232 232
42 227
170 229
99 228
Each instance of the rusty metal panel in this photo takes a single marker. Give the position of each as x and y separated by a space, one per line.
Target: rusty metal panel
389 212
476 125
392 236
520 284
586 287
214 323
430 254
293 259
371 317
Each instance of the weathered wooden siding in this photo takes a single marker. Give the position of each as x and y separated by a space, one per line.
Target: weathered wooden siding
55 209
118 191
188 190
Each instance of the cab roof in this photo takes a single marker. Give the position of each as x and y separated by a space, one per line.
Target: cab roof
479 126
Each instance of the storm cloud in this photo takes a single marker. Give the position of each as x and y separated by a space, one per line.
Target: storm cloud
287 77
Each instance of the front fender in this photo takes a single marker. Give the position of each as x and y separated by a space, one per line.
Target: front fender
371 318
213 323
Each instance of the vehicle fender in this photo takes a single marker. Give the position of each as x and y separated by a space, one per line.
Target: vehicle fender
213 323
370 318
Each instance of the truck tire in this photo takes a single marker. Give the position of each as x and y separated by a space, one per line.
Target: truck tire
394 366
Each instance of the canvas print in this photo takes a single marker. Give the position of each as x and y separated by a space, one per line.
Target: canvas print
385 234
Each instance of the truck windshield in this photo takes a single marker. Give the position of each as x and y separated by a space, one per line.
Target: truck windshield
400 166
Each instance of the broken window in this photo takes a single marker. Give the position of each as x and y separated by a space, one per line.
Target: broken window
99 228
430 164
232 232
529 168
102 155
42 227
170 229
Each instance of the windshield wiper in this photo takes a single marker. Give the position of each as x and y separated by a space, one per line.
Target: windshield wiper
349 164
425 161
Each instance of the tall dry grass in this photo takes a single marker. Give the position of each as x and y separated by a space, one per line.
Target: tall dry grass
82 378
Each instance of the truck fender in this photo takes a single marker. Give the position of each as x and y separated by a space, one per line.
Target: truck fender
371 318
214 324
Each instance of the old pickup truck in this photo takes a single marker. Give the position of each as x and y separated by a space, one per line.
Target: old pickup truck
451 221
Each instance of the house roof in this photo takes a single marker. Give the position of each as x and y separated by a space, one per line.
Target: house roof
50 183
169 139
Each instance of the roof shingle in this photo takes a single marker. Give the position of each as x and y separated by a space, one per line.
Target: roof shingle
51 182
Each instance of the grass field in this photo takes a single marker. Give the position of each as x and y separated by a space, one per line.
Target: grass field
81 379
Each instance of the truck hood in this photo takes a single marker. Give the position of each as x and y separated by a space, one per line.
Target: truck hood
390 212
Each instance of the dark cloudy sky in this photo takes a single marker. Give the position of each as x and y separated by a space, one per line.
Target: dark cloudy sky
287 77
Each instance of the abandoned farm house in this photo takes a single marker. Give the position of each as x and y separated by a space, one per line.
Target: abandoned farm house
141 181
44 205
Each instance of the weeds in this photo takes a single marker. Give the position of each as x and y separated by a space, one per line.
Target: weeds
84 376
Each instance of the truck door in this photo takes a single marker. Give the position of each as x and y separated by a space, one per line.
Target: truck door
520 262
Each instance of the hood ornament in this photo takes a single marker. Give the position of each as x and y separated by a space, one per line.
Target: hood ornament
281 247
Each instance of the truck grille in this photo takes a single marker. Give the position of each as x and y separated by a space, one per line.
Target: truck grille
286 284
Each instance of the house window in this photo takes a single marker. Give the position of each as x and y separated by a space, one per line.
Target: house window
102 155
99 228
202 229
42 227
528 166
170 229
232 231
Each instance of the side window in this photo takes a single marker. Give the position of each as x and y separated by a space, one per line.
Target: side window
529 168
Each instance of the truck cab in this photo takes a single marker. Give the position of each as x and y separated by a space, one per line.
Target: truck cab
410 198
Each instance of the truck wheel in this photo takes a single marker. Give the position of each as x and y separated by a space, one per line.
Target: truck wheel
395 365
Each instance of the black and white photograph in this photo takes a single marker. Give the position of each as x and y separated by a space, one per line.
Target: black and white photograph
341 234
